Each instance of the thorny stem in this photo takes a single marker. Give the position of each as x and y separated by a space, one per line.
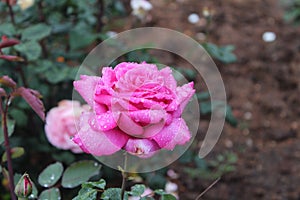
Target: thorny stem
7 149
124 176
11 12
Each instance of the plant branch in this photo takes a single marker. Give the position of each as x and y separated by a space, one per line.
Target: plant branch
8 150
99 15
124 177
11 12
208 188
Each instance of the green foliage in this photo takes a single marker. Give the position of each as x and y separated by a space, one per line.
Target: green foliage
207 107
293 11
16 152
222 53
50 175
79 172
36 32
211 169
31 49
50 194
10 129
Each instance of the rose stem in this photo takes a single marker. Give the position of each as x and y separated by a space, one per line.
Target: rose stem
11 12
7 149
124 176
99 15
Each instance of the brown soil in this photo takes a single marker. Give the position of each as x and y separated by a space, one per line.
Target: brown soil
263 88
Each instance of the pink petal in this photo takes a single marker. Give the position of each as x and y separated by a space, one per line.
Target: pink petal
105 121
184 94
127 125
98 143
170 82
108 76
143 148
176 133
148 116
86 87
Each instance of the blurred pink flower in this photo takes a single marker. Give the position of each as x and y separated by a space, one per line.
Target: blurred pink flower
61 123
135 107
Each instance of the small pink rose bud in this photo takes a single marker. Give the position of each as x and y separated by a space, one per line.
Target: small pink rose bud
24 187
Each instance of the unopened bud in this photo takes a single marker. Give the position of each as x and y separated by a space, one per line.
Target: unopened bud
24 187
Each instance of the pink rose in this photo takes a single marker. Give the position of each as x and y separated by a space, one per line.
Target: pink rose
135 107
61 124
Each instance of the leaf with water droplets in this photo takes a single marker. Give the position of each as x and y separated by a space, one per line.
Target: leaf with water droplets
50 194
50 175
79 172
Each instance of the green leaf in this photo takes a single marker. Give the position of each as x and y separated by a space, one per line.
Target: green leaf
32 50
99 184
137 190
19 115
111 194
223 53
79 172
7 29
50 194
16 152
10 128
79 39
203 96
230 118
86 194
36 32
168 197
50 175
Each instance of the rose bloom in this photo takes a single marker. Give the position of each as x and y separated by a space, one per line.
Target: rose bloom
61 124
135 107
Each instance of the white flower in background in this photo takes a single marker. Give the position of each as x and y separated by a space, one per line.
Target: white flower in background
140 8
172 188
269 36
193 18
24 4
111 33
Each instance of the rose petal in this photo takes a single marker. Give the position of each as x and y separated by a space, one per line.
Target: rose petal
184 94
86 87
127 125
143 148
170 82
176 133
108 76
105 121
98 143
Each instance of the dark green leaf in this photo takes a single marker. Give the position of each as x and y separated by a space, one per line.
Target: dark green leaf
79 39
230 118
224 53
16 152
32 50
111 194
36 32
168 197
50 194
79 172
10 127
7 29
50 175
203 96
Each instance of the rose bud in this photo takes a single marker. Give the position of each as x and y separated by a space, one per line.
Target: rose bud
24 187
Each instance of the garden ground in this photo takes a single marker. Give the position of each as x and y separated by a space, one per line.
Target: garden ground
263 89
